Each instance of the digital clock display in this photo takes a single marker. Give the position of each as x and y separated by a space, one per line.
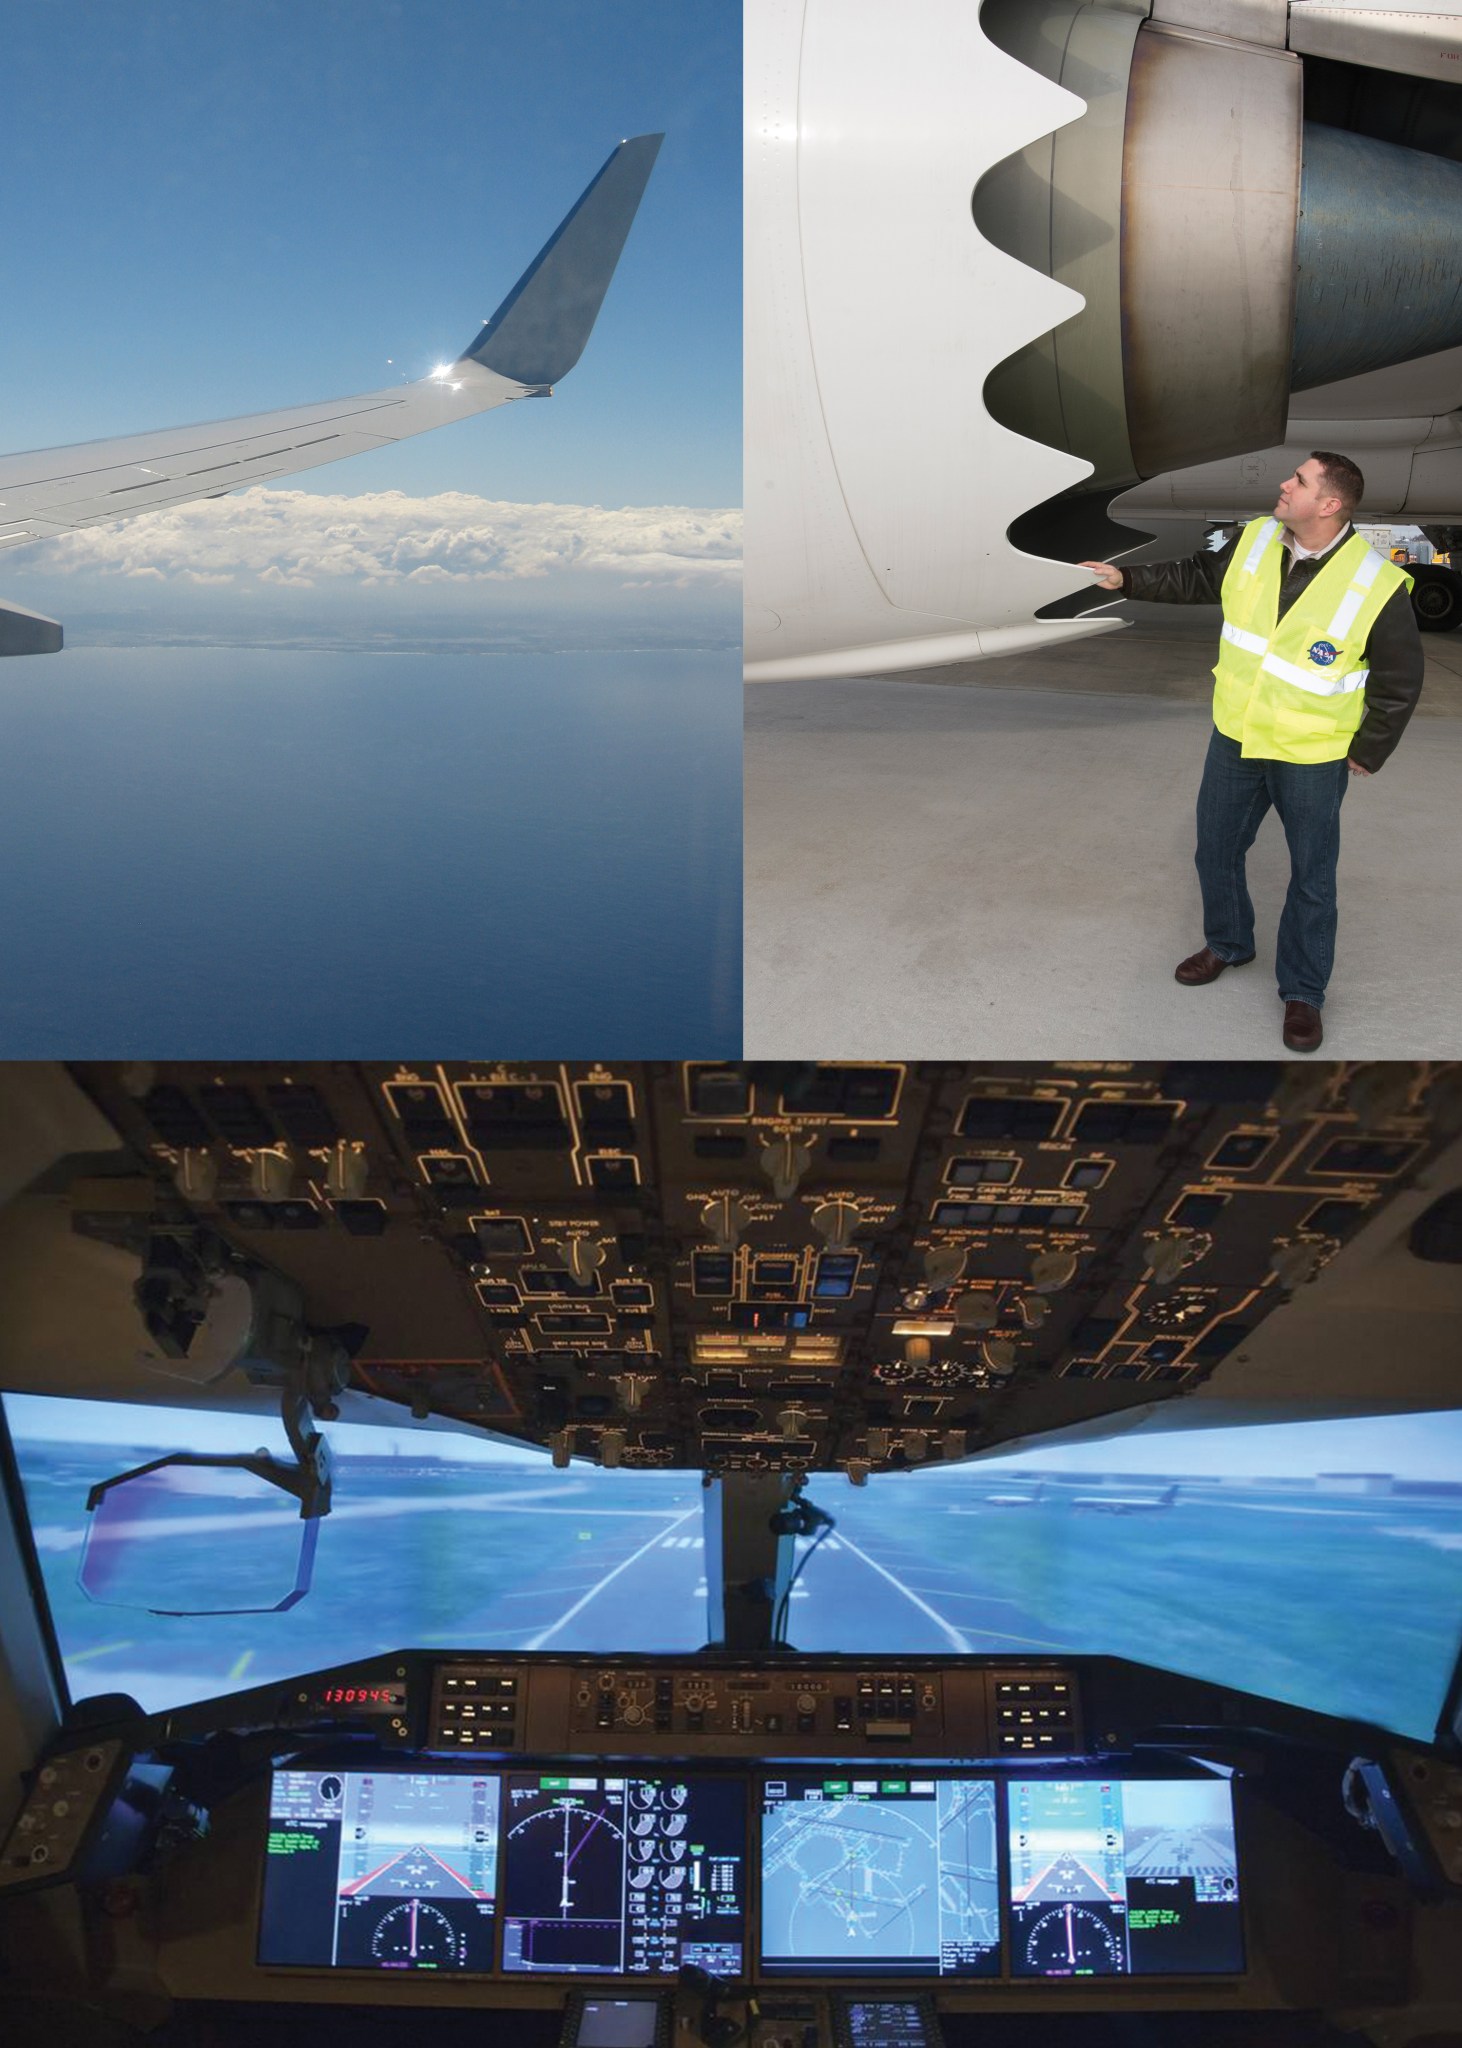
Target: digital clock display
360 1699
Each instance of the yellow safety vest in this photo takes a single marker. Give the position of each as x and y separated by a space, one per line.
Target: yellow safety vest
1293 689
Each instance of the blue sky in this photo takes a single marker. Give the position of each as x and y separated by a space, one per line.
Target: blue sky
1427 1446
215 211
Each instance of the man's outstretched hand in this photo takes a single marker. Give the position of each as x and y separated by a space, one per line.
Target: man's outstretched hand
1106 573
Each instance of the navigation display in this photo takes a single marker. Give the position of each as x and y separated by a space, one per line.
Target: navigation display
885 1876
624 1876
1113 1877
380 1870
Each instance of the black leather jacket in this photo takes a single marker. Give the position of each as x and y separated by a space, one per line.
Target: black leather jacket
1393 651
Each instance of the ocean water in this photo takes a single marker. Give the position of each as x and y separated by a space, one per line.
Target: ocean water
231 853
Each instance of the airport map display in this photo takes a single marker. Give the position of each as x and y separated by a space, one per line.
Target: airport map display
380 1870
880 1875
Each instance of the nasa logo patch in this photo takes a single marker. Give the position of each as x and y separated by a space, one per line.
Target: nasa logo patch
1323 653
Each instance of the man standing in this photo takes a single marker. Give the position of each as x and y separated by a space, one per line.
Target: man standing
1319 668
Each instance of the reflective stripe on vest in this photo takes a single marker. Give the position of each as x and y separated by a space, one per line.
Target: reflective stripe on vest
1306 679
1355 597
1267 530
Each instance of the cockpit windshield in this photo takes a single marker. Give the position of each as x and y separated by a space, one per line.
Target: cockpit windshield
1312 1562
1315 1562
433 1539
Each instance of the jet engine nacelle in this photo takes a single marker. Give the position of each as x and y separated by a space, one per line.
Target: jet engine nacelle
1002 266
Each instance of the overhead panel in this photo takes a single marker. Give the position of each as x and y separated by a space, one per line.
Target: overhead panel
861 1265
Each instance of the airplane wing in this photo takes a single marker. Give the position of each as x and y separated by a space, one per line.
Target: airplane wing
534 338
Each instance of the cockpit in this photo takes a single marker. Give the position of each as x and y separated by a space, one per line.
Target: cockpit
826 1555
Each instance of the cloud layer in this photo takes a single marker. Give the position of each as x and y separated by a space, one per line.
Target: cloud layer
296 540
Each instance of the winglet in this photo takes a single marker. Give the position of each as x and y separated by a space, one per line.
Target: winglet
538 332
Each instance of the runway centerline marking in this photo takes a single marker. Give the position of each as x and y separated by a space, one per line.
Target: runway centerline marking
580 1604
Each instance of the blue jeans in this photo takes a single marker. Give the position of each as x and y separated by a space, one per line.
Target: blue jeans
1232 800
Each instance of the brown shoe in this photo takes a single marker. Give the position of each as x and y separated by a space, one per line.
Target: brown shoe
1303 1030
1204 966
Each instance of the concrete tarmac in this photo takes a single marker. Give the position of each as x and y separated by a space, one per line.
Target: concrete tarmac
995 860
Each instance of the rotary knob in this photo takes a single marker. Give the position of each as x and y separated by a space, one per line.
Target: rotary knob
631 1388
943 1265
1293 1264
977 1310
271 1175
196 1174
806 1703
347 1173
784 1162
1166 1254
1051 1271
723 1220
835 1223
633 1714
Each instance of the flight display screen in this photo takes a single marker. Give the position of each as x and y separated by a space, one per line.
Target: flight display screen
616 2023
624 1876
886 2023
380 1870
1115 1877
879 1875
